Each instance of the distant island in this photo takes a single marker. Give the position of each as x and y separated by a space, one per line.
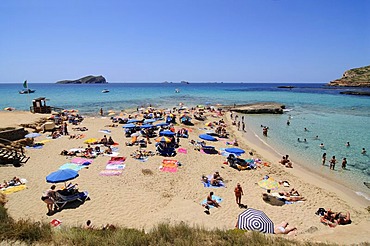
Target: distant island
85 80
356 77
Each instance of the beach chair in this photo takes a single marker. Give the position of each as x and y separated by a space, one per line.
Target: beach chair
62 200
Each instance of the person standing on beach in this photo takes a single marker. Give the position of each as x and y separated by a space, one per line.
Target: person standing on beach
101 111
238 194
238 125
243 126
332 162
344 163
323 159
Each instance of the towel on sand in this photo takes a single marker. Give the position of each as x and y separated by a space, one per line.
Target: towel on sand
110 172
217 198
12 189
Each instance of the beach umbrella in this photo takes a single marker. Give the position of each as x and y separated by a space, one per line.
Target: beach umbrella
236 151
146 126
162 124
255 220
268 184
32 135
167 133
90 140
61 176
133 120
149 120
163 139
130 125
207 137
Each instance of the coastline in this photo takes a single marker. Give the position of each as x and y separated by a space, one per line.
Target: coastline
144 201
310 175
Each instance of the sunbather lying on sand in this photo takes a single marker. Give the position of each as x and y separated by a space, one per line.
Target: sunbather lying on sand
283 228
333 219
292 192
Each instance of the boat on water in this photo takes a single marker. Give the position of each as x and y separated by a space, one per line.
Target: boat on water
105 91
26 91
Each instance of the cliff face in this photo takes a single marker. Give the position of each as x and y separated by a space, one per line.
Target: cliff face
358 77
85 80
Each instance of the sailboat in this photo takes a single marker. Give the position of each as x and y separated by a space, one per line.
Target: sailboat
26 90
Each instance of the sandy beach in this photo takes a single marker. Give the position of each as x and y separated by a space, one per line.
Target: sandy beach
141 201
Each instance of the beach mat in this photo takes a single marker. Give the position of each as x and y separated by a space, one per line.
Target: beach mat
168 169
81 161
115 167
208 185
73 166
110 172
217 198
182 151
12 189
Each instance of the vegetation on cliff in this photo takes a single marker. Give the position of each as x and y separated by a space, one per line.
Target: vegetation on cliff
357 77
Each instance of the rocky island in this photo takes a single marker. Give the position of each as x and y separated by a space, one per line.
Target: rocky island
356 77
258 108
85 80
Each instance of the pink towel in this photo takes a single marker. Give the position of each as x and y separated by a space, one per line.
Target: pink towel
182 150
81 161
168 169
110 173
115 162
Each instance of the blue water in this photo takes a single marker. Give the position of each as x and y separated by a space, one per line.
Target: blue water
335 118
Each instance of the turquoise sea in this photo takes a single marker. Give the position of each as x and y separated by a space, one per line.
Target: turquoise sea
333 117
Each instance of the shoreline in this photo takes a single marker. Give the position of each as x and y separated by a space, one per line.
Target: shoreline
310 175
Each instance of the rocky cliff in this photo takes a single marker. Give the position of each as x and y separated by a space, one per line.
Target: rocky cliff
85 80
358 77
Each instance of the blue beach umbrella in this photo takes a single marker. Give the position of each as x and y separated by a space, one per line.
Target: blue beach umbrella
162 124
149 120
61 176
32 135
146 126
133 121
207 137
167 133
130 125
236 151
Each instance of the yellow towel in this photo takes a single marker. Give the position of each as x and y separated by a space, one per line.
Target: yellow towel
13 189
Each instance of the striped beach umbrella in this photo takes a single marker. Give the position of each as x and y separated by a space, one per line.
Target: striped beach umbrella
163 139
255 220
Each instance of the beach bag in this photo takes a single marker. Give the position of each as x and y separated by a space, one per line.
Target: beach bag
320 211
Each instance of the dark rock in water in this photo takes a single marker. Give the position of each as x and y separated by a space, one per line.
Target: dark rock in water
286 87
258 108
357 93
85 80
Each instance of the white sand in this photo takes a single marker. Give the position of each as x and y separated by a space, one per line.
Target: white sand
142 201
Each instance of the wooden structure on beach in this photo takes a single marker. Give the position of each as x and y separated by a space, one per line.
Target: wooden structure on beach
11 155
39 106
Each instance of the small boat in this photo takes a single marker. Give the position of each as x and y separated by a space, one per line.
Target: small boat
26 91
177 91
105 91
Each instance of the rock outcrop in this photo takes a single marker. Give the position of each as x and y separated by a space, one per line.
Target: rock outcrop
85 80
356 93
258 108
356 77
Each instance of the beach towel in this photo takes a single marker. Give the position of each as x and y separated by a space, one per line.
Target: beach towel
208 184
182 151
277 195
217 198
115 167
12 189
105 131
118 158
108 172
73 166
168 169
81 161
34 147
115 162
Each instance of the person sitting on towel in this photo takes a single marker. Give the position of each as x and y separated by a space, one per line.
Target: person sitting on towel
216 179
110 141
211 202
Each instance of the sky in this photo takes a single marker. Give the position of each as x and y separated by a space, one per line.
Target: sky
174 40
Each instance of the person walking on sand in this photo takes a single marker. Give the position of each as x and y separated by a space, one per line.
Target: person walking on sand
323 159
49 197
243 126
332 162
238 194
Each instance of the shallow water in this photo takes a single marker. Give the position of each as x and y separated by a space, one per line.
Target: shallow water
335 118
